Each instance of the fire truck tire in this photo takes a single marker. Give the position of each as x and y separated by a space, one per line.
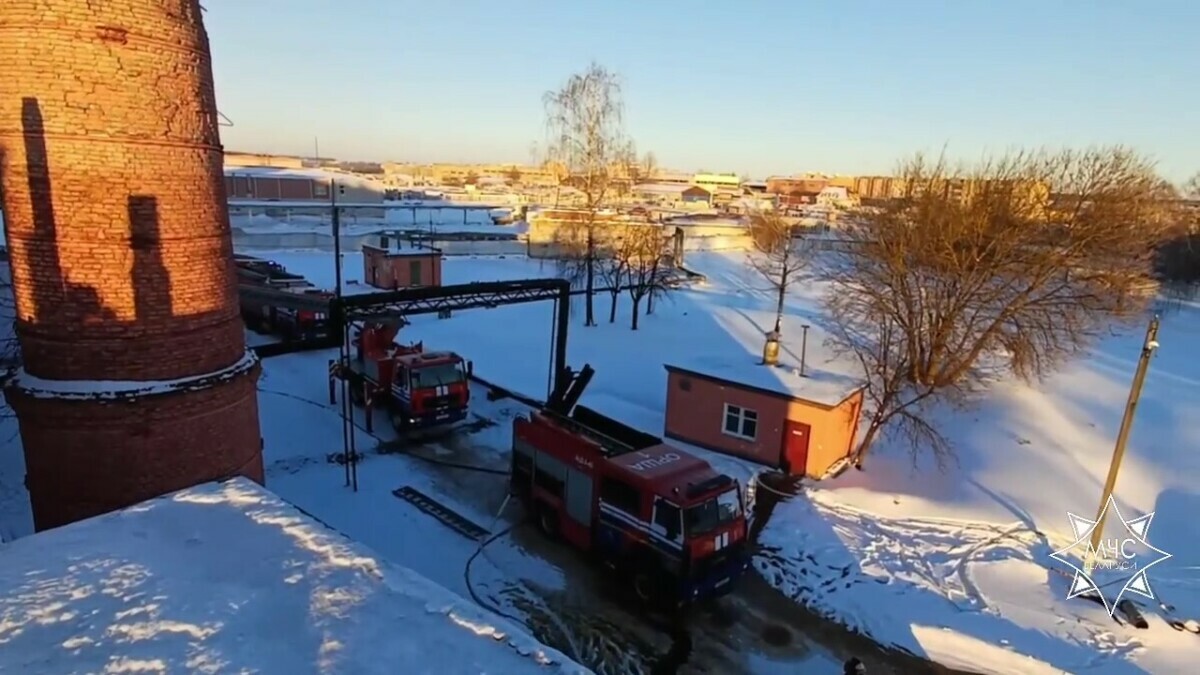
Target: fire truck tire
399 423
547 519
644 586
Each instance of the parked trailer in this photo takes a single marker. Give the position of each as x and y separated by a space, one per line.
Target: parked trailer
658 515
279 302
418 388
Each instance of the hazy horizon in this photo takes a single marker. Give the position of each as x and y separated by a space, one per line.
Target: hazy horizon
758 89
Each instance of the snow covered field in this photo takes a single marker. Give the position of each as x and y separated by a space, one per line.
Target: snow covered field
227 577
953 565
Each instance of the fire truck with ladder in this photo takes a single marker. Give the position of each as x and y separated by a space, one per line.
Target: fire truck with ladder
274 300
418 388
658 515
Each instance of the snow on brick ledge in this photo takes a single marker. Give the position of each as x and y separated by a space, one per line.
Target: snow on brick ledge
112 390
228 577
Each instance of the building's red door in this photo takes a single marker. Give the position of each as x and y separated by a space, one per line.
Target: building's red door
795 447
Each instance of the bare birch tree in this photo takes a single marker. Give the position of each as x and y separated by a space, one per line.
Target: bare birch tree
646 252
779 256
585 119
1009 269
614 266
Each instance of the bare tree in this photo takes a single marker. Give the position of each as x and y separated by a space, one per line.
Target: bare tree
649 168
1191 189
614 268
1009 268
779 256
586 123
646 252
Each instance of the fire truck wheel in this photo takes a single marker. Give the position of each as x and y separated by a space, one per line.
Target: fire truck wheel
643 586
547 521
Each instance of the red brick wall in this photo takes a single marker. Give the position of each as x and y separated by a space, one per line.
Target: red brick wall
696 414
295 188
118 232
395 271
99 456
265 188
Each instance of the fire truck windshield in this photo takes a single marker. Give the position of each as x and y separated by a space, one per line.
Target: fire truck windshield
433 376
713 513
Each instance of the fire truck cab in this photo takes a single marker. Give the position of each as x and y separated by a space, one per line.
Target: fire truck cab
419 388
652 511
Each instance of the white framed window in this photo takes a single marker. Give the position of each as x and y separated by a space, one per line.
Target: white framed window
740 422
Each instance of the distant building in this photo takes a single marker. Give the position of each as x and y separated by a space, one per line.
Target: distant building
715 181
672 178
257 159
836 196
391 264
672 194
258 184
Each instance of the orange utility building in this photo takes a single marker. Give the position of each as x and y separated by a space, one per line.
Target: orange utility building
768 414
394 264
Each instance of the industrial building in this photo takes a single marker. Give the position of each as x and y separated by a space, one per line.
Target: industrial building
672 195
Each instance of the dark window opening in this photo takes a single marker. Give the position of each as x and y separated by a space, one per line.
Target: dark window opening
621 495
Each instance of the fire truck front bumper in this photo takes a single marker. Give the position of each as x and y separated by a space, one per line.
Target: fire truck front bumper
719 578
436 418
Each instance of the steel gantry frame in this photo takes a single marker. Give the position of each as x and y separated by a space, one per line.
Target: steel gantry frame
407 302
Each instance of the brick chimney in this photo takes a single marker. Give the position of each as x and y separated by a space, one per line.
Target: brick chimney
136 376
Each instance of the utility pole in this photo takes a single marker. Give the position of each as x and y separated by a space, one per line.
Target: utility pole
1135 392
803 350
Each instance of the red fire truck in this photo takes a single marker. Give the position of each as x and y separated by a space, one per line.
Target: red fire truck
655 513
419 389
274 300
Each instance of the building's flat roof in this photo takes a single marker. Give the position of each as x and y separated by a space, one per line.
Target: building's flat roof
817 386
667 188
227 577
323 202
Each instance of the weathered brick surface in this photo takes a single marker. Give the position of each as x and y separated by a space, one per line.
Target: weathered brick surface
104 106
118 229
91 457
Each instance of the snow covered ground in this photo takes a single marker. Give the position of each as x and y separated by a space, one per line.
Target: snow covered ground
953 565
227 577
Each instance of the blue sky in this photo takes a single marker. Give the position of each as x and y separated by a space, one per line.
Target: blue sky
754 87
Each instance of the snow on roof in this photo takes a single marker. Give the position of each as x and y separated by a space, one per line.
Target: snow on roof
314 174
666 188
228 577
819 386
703 220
